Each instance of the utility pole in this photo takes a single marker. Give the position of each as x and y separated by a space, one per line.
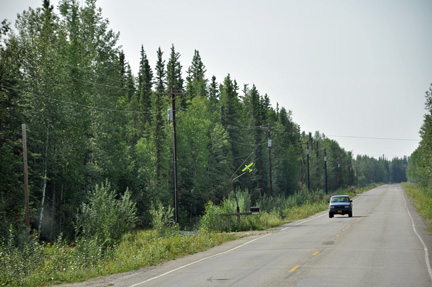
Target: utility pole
26 184
270 164
325 170
171 117
301 170
308 172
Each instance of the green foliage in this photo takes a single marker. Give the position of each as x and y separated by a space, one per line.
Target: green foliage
163 220
421 198
274 211
104 218
213 221
35 264
420 167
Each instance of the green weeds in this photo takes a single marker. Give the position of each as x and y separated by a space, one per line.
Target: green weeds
37 265
422 200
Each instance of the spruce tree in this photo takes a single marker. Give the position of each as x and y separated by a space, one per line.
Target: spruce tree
260 178
145 84
230 116
174 77
213 92
196 81
158 135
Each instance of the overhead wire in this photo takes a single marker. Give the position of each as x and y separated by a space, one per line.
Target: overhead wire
84 106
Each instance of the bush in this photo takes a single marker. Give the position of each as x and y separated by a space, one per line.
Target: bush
162 220
104 218
212 220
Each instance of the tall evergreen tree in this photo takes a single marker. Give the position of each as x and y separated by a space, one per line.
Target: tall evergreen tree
230 108
257 117
145 84
174 77
213 92
196 81
158 136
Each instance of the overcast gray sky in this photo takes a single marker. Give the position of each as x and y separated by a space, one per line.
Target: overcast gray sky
356 71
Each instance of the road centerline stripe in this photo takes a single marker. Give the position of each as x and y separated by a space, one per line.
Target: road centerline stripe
294 268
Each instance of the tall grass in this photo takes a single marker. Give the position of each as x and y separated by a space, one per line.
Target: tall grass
421 198
35 264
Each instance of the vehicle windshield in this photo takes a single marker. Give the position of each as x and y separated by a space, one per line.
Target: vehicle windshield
340 199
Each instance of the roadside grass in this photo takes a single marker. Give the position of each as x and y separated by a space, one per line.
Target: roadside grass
39 264
421 198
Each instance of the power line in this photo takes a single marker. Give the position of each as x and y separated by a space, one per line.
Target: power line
84 106
374 138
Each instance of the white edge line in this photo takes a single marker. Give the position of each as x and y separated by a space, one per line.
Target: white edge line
200 260
421 240
225 252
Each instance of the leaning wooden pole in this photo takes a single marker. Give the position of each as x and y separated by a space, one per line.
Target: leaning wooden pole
26 187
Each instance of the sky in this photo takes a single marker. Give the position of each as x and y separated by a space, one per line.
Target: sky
355 70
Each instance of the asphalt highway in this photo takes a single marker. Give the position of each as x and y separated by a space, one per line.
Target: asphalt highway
383 244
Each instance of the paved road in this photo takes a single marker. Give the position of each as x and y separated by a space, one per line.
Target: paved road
383 244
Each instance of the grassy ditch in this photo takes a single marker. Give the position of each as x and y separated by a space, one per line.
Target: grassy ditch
32 263
421 198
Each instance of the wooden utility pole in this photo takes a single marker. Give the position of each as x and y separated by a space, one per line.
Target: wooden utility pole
325 170
26 187
174 157
270 164
171 117
308 172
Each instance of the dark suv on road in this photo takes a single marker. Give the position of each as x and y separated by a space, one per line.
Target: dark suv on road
340 204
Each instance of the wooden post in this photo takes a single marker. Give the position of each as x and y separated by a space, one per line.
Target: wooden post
270 163
26 187
325 171
172 118
174 156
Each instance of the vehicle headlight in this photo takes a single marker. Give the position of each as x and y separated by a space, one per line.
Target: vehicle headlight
347 206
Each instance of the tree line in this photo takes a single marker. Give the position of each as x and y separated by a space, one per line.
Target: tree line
91 121
419 168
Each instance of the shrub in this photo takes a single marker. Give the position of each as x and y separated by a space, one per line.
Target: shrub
162 220
104 218
212 220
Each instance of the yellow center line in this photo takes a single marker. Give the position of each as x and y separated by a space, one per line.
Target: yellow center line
316 253
337 235
294 268
343 230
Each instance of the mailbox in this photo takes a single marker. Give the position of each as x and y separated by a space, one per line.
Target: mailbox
254 209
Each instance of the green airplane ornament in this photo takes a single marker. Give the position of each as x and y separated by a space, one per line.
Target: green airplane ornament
248 167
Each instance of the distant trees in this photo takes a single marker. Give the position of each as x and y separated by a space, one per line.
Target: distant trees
370 170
